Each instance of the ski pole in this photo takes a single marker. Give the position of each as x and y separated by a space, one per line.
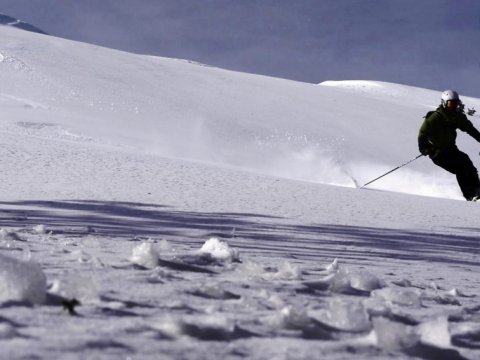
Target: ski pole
398 167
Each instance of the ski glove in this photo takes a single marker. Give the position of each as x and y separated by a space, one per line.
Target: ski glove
430 152
425 151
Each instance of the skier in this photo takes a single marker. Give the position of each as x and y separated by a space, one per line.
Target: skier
437 137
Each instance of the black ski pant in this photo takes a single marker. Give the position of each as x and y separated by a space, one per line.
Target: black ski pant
458 163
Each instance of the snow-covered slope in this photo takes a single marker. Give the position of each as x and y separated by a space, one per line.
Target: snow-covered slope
166 197
325 133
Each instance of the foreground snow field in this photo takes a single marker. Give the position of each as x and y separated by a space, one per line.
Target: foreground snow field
196 213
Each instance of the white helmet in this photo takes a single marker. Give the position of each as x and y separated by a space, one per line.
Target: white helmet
449 95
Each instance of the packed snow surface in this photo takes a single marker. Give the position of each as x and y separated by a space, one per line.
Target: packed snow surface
157 208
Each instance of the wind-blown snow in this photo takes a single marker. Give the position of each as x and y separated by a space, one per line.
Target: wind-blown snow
193 213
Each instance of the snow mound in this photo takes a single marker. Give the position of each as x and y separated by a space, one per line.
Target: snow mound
21 281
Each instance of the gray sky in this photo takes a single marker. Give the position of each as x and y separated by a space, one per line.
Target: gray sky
427 43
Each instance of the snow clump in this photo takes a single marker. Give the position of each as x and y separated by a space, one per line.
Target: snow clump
287 271
435 332
293 318
9 235
40 229
345 315
219 250
145 255
393 336
333 267
343 281
399 296
21 281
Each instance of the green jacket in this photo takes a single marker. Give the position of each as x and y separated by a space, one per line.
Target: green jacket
439 131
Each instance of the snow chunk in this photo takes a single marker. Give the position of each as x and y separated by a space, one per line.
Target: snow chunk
429 340
165 246
347 282
287 271
344 315
21 281
435 332
466 334
400 296
40 229
441 297
292 318
333 267
364 280
145 255
219 250
251 269
9 235
391 335
454 292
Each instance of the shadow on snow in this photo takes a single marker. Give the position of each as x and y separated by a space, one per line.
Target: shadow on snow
252 232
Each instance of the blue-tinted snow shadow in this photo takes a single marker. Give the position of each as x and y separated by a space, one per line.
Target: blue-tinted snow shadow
250 232
121 219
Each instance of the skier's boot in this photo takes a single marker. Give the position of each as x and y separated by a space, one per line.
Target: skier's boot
476 197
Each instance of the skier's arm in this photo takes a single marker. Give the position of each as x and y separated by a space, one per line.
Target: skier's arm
474 133
471 130
424 145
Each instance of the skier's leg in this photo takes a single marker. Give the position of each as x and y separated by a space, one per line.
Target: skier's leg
467 177
459 163
447 160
